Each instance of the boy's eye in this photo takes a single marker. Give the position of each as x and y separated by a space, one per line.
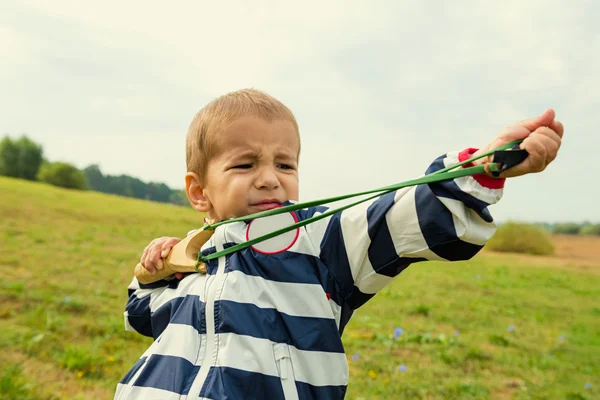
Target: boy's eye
243 166
285 166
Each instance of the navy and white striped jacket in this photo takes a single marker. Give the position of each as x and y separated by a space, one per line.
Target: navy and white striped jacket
262 326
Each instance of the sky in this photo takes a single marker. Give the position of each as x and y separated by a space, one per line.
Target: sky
380 89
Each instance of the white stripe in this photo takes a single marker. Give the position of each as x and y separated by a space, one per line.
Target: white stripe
179 340
141 293
469 226
336 310
316 232
295 299
355 228
354 225
469 185
134 284
128 326
148 393
119 390
190 285
372 282
404 228
304 244
252 354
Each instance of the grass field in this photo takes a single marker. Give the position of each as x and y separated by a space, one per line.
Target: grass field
500 326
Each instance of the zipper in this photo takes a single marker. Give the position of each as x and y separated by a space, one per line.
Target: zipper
281 352
213 292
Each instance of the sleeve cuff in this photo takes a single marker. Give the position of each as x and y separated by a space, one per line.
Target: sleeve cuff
483 179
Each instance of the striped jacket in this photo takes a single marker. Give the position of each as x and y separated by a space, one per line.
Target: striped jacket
260 326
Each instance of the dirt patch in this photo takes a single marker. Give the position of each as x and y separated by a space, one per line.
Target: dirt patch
576 253
51 380
577 247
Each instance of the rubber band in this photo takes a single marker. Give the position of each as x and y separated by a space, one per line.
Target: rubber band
437 176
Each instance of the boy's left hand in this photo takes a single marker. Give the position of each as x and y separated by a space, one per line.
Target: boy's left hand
542 139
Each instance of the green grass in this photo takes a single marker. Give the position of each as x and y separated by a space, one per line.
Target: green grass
68 256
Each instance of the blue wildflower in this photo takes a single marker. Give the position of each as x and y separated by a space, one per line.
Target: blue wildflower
398 332
511 328
456 333
402 368
561 337
355 357
67 299
588 386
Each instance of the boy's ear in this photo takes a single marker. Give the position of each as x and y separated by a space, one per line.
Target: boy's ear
195 193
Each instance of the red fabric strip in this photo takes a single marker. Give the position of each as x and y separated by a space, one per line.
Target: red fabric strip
483 179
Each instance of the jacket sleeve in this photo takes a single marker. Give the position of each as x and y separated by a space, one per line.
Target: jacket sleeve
141 297
366 246
138 310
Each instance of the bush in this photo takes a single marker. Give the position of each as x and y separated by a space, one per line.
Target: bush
521 238
63 175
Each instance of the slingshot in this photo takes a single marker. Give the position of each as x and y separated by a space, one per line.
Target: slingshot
185 256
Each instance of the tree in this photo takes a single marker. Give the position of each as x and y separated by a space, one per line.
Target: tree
20 158
179 197
591 229
63 175
125 185
566 228
94 177
9 158
30 158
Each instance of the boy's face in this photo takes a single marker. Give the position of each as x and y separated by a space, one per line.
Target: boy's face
255 169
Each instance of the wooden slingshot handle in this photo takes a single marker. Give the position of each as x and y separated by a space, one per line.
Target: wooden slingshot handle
182 258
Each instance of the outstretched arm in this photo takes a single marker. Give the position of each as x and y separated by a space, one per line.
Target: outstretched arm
366 246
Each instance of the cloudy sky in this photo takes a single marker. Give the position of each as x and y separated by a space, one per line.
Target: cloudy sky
379 88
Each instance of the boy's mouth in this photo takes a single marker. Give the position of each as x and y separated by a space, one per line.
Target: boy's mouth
267 204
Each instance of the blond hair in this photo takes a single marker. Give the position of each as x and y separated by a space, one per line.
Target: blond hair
211 119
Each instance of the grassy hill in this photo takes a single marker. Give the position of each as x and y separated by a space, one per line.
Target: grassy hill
498 326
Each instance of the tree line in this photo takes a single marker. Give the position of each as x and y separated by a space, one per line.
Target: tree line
573 228
24 159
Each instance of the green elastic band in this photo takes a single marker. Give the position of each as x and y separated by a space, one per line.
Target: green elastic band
437 176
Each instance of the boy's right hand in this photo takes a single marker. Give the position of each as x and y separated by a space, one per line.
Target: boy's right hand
152 258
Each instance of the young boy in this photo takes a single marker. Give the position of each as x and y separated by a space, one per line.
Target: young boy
267 321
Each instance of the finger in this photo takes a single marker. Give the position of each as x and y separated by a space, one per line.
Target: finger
558 127
149 266
549 133
545 119
537 154
514 132
551 142
144 254
154 255
144 259
168 245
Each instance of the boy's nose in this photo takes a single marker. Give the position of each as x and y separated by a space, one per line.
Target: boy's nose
267 179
